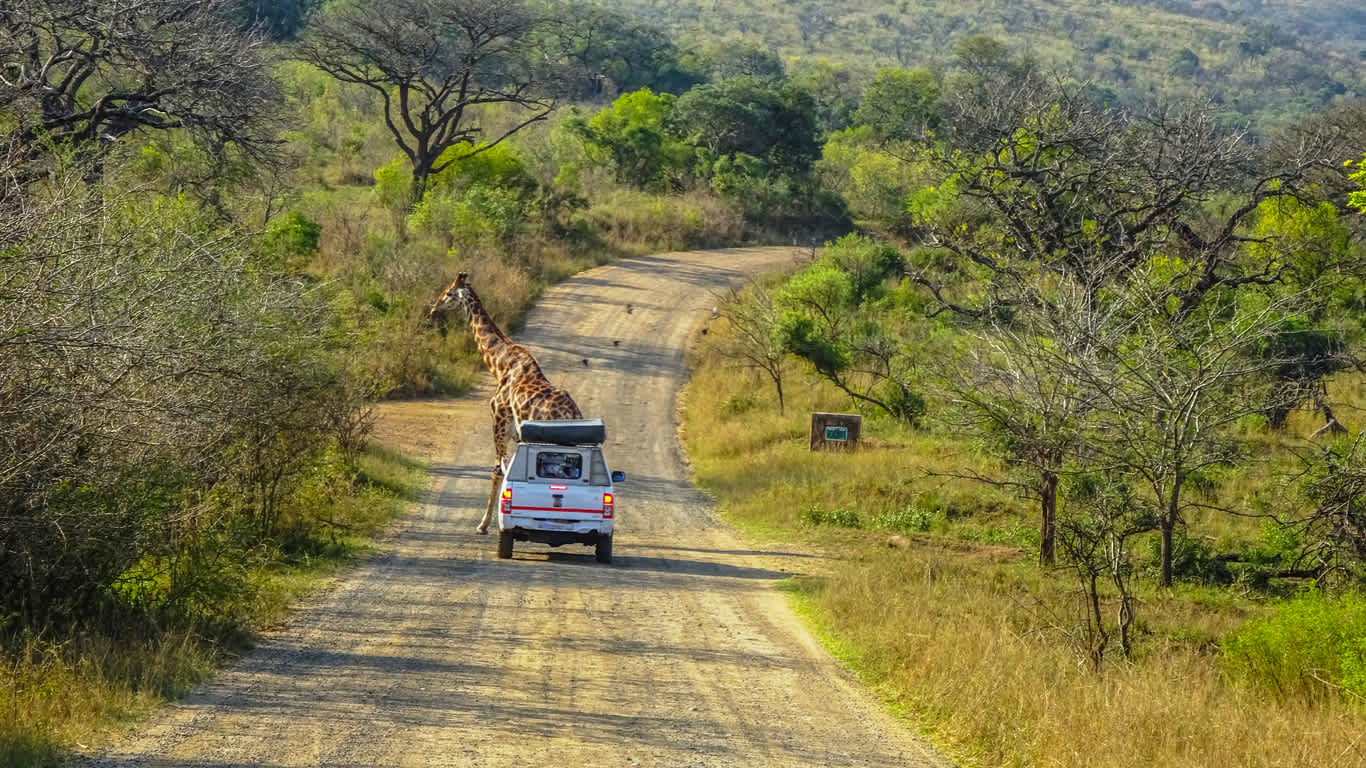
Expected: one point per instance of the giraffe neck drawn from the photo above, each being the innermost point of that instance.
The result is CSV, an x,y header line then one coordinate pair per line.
x,y
488,336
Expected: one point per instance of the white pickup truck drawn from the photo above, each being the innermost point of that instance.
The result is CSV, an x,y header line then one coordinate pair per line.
x,y
557,488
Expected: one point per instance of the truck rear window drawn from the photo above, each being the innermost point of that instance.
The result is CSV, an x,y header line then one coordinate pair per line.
x,y
559,466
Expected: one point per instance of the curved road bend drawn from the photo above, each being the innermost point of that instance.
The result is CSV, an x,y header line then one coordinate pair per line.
x,y
435,653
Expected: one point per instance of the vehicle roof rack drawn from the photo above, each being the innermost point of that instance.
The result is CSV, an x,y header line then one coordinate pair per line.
x,y
563,431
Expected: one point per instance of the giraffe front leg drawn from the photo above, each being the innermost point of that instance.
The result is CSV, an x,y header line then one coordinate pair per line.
x,y
502,422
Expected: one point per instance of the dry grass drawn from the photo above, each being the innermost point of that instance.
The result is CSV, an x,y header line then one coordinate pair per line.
x,y
970,639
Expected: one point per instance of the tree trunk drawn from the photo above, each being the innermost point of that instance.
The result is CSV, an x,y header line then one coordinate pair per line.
x,y
419,188
1168,525
1048,519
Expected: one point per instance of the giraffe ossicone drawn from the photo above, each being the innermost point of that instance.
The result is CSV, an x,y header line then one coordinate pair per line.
x,y
523,392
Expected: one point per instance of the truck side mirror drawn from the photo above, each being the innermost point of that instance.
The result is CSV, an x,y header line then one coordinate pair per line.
x,y
618,476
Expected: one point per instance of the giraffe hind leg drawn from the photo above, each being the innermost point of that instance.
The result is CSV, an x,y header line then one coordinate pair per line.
x,y
502,422
493,497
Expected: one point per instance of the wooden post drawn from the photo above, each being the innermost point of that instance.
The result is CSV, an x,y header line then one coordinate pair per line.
x,y
835,431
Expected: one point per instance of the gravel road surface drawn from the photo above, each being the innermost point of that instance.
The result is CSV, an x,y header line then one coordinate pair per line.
x,y
434,653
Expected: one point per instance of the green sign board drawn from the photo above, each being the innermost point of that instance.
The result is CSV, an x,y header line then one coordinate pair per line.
x,y
837,434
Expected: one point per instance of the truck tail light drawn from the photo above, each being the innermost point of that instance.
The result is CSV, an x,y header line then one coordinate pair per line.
x,y
608,504
506,505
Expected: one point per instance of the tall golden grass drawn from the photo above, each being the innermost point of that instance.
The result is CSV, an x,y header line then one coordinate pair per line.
x,y
972,640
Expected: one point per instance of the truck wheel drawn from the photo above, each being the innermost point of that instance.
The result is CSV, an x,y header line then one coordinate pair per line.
x,y
504,545
604,549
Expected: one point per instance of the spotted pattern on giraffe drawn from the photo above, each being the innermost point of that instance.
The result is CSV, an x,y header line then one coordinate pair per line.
x,y
523,392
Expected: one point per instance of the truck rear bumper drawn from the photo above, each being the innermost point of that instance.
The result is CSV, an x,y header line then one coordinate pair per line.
x,y
557,538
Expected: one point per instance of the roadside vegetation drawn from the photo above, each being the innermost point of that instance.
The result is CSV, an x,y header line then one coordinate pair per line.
x,y
933,596
1108,367
220,222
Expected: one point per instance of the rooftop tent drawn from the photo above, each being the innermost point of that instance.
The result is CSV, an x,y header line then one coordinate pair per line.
x,y
563,431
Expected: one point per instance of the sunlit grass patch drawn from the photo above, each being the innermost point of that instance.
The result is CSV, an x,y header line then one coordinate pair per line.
x,y
931,594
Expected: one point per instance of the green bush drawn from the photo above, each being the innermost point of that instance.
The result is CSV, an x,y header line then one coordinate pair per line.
x,y
912,518
905,404
739,403
841,517
1193,559
290,240
1314,645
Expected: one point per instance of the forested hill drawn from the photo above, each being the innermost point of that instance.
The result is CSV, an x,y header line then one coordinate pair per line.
x,y
1268,60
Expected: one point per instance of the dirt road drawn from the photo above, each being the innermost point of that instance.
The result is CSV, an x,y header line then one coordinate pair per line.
x,y
437,654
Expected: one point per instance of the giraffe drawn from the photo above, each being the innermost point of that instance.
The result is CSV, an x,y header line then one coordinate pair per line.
x,y
522,392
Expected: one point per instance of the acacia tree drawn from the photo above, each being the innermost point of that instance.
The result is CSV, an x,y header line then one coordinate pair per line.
x,y
1333,526
1012,381
436,64
83,73
825,317
753,317
1169,385
1045,188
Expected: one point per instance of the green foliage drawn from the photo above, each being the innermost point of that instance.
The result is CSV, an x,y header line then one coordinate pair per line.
x,y
739,404
900,105
1314,645
1125,48
910,519
867,263
1185,63
485,214
466,165
875,184
822,291
281,19
831,314
1358,197
1306,237
767,119
797,333
742,58
291,240
834,87
904,403
630,137
1193,559
483,197
610,49
393,185
839,517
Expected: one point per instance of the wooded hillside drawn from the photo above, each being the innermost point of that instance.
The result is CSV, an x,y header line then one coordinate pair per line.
x,y
1267,61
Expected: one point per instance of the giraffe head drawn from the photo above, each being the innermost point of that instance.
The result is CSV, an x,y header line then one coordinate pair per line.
x,y
457,294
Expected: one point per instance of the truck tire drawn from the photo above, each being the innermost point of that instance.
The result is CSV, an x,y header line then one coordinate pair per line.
x,y
604,549
504,545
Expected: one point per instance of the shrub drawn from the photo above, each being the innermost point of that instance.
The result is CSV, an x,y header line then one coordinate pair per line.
x,y
1314,645
912,518
290,240
840,517
739,403
1193,559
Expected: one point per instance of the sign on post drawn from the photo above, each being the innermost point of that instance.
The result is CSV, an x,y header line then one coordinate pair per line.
x,y
835,431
